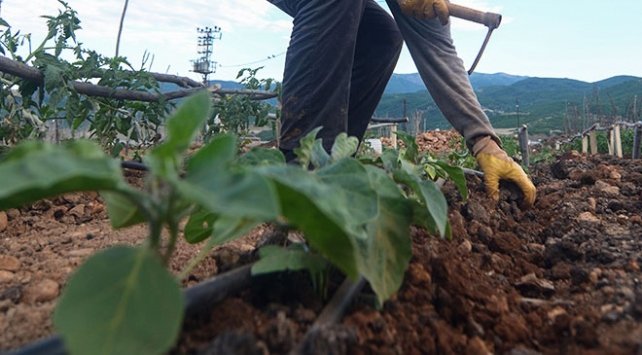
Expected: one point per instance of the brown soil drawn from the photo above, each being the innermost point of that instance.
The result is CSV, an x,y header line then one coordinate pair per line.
x,y
561,278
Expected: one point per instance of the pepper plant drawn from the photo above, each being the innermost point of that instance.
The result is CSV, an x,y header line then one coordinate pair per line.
x,y
354,215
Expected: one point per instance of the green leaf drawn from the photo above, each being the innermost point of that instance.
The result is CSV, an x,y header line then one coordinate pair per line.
x,y
319,157
314,208
262,157
211,184
183,125
456,174
121,301
344,146
353,187
306,145
34,171
384,255
429,195
200,226
122,212
411,151
276,259
54,79
436,203
4,23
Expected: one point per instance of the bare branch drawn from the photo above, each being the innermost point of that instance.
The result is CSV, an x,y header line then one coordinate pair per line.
x,y
32,74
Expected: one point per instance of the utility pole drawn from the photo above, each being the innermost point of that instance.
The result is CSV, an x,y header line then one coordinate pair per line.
x,y
204,64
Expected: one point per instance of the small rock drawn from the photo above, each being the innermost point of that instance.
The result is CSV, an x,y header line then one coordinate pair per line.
x,y
594,275
588,217
73,198
606,188
477,346
12,294
42,291
465,247
13,214
633,265
477,212
637,219
592,202
5,276
531,285
81,252
418,275
42,205
556,312
4,221
78,211
579,275
537,248
9,263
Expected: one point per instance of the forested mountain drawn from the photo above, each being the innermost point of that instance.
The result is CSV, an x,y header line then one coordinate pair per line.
x,y
542,103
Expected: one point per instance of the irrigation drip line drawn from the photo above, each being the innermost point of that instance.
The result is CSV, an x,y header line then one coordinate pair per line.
x,y
133,165
198,299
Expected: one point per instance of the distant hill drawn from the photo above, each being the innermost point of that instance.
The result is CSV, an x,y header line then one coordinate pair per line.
x,y
409,83
543,102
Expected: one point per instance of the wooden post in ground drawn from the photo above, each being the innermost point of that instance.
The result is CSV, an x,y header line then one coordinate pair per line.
x,y
523,145
593,142
636,141
393,135
611,136
585,143
617,141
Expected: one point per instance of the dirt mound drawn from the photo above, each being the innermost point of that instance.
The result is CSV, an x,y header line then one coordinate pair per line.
x,y
563,277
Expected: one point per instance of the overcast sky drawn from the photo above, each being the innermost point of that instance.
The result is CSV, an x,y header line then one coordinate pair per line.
x,y
587,40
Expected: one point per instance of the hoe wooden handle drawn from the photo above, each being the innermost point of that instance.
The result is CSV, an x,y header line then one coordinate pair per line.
x,y
489,19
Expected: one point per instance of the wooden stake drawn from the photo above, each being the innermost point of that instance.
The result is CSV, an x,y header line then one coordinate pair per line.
x,y
593,142
393,136
585,142
636,142
611,142
618,141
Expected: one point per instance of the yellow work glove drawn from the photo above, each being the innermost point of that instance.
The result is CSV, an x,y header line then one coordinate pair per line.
x,y
425,9
497,165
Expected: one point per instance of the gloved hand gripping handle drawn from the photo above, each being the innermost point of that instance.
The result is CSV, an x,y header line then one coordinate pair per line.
x,y
488,19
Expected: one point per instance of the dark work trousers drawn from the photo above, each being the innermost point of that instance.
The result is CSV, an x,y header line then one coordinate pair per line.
x,y
432,49
340,58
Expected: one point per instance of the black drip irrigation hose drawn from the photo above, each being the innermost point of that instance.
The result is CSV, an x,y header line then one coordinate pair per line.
x,y
198,299
133,165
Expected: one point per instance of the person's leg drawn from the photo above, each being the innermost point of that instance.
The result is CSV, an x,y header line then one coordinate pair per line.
x,y
443,72
318,69
378,46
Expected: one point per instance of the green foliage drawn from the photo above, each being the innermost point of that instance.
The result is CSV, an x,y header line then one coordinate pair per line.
x,y
236,113
543,103
26,109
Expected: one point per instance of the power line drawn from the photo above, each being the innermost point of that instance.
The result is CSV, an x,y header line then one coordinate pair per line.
x,y
270,57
